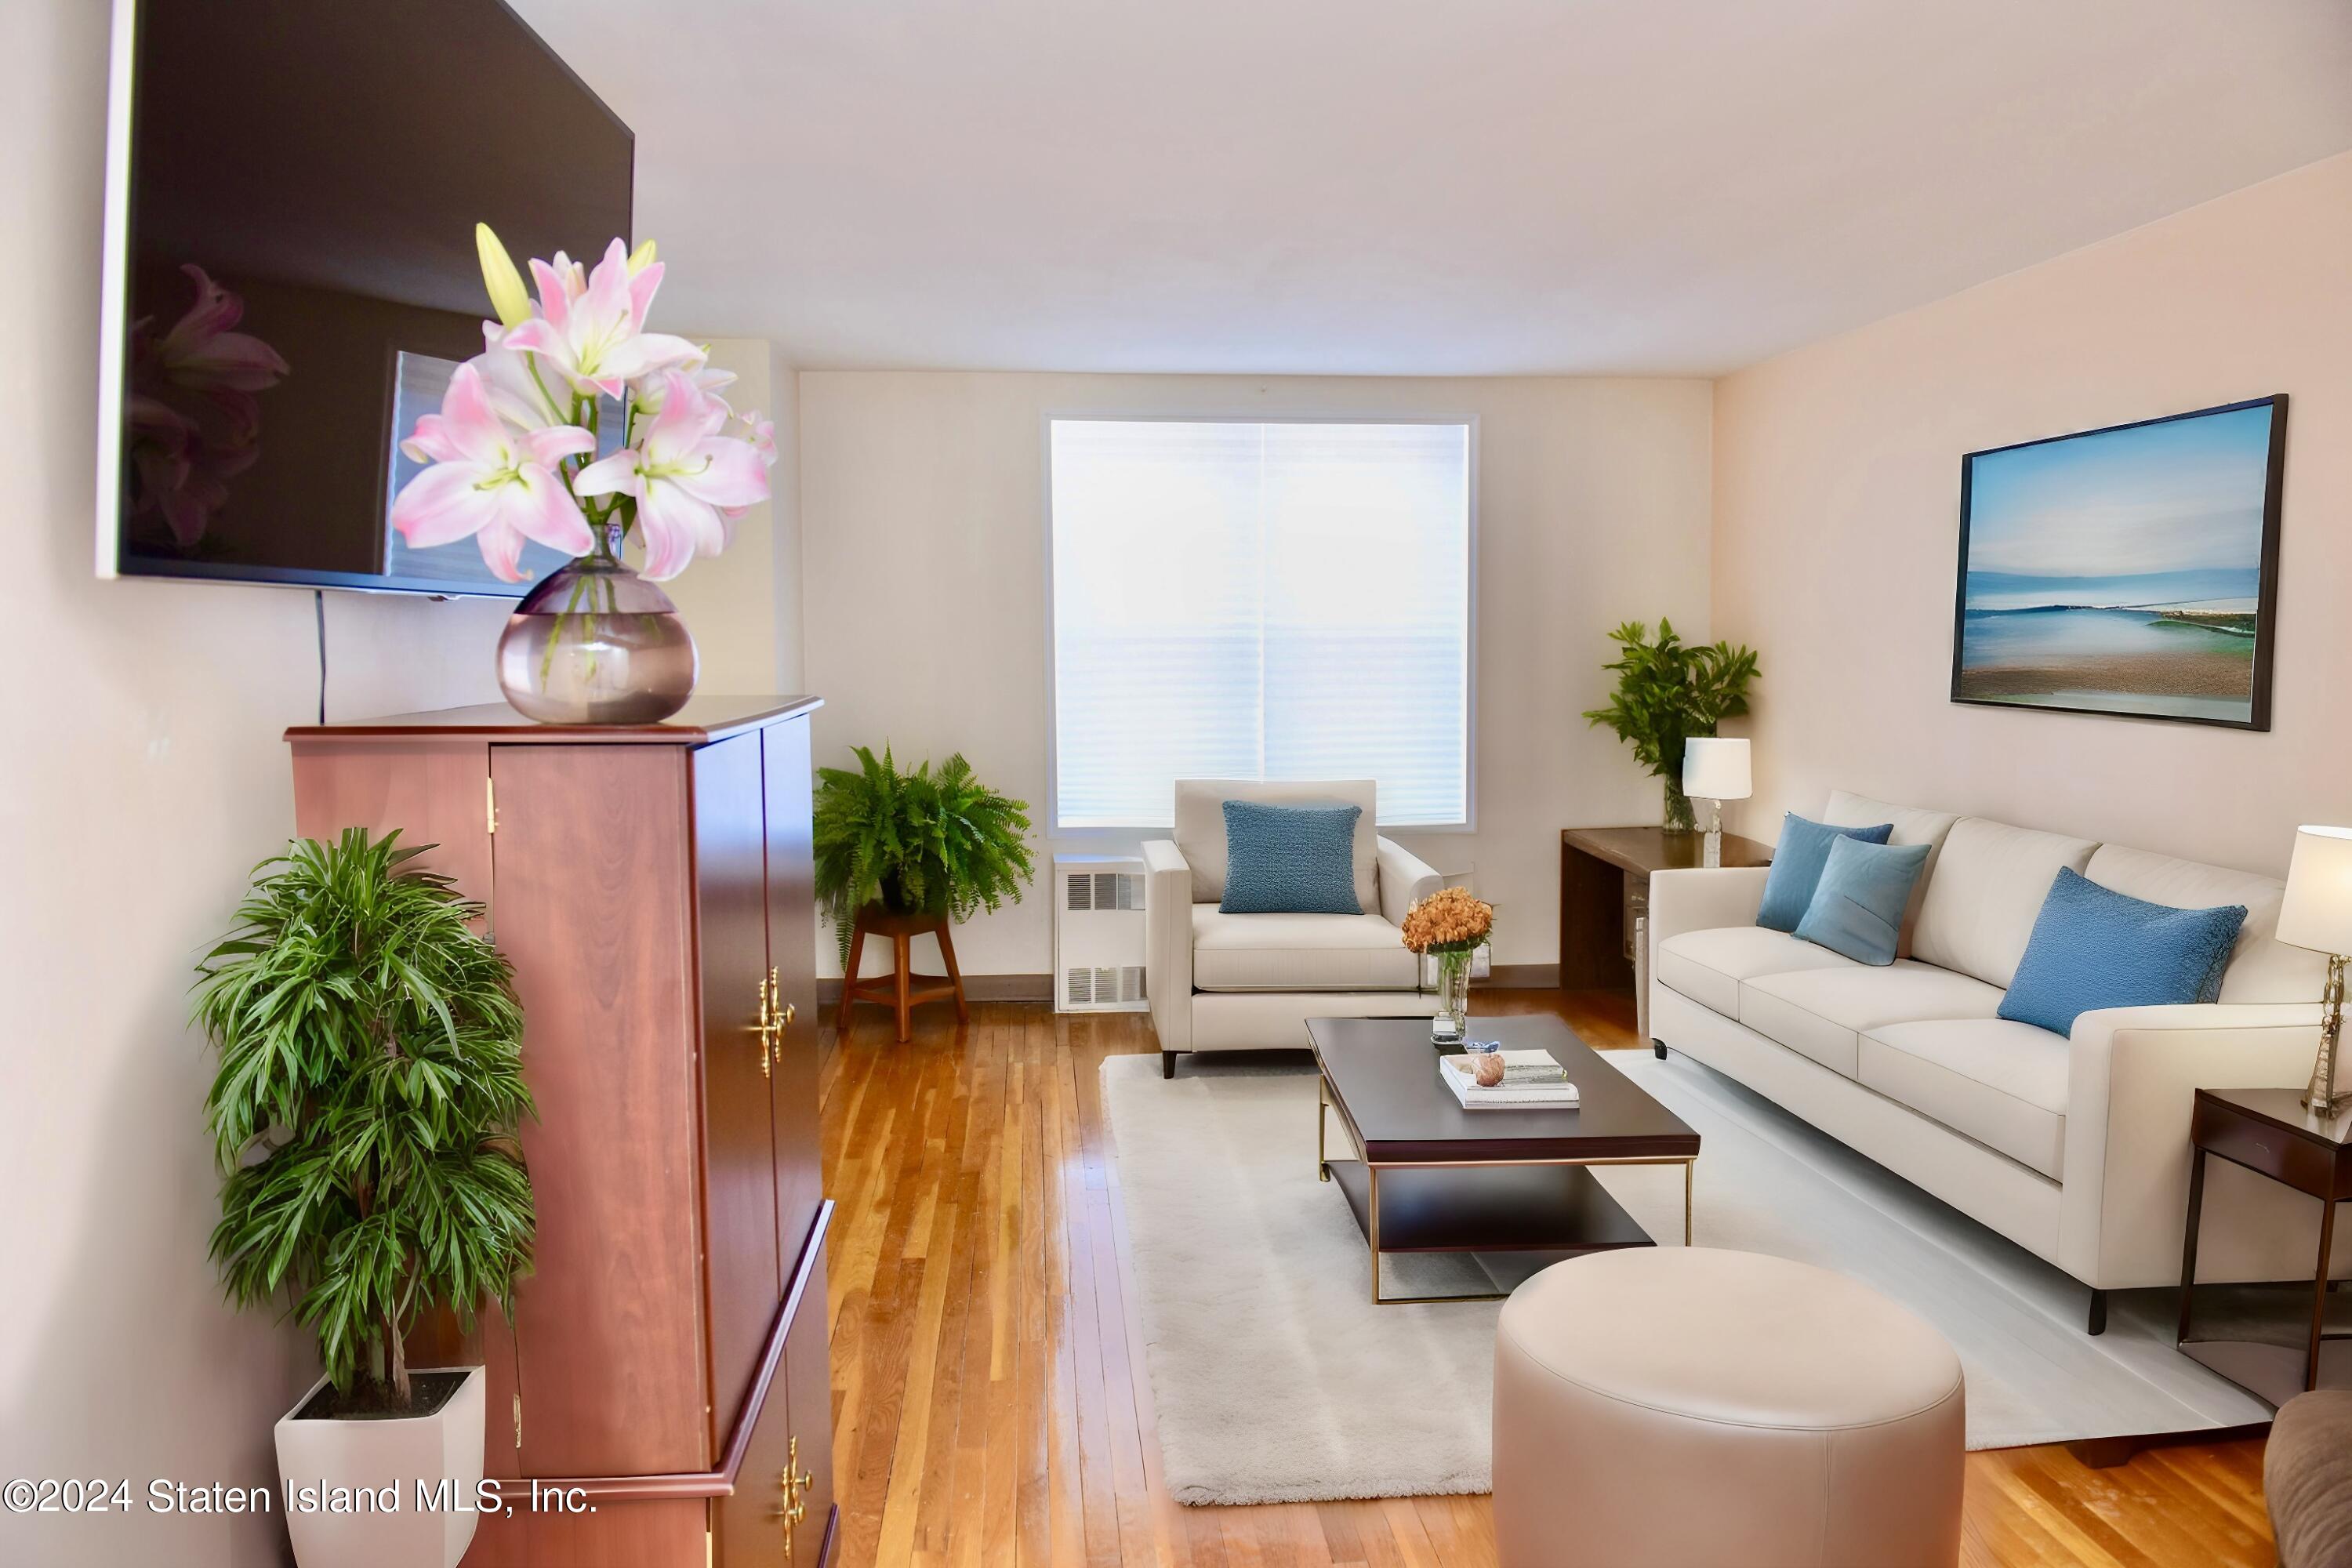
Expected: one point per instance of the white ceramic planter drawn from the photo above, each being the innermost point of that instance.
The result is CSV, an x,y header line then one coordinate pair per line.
x,y
350,1520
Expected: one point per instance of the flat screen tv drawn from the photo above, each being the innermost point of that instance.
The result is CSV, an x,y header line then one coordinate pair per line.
x,y
305,175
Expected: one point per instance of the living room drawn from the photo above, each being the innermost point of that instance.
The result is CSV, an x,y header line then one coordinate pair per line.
x,y
1577,772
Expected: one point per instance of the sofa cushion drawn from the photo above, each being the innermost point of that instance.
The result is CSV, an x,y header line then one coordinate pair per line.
x,y
1799,859
2095,948
1912,825
1708,965
1821,1013
2000,1082
1299,952
1857,910
1200,830
2261,968
1984,892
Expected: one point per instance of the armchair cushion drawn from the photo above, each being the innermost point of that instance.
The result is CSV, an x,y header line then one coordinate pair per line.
x,y
1200,832
1290,859
1299,952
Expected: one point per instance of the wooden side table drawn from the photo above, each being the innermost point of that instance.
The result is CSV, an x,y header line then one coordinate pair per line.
x,y
2268,1132
1604,902
900,989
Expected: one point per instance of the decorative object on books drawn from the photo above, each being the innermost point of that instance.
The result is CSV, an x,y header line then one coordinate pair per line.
x,y
1668,691
1450,925
1290,859
1797,864
1487,1077
578,429
2127,570
902,852
364,1117
1857,907
2093,947
2318,914
1715,770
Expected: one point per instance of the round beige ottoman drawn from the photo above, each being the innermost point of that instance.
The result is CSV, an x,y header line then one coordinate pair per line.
x,y
1678,1407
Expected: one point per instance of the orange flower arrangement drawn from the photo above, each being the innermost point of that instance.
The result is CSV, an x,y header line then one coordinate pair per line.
x,y
1451,920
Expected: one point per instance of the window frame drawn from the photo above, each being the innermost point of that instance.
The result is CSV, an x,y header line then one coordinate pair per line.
x,y
1056,830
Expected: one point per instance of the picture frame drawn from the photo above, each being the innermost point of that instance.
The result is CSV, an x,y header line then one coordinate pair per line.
x,y
2128,570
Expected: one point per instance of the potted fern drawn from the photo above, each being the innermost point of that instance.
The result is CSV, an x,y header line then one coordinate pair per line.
x,y
1667,692
364,1117
931,843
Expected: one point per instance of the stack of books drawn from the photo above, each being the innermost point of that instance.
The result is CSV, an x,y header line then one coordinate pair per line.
x,y
1531,1080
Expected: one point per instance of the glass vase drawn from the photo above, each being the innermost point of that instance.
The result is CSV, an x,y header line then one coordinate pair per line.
x,y
1680,818
596,643
1450,1025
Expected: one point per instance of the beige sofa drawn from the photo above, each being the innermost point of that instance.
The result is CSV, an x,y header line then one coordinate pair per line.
x,y
2073,1147
1221,981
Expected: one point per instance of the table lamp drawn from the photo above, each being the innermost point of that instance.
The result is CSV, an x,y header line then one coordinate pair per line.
x,y
2318,914
1715,770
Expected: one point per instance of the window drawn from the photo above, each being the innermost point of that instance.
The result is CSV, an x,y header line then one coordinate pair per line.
x,y
1259,601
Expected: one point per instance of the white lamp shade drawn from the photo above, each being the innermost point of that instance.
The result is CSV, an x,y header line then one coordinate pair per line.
x,y
2317,912
1716,769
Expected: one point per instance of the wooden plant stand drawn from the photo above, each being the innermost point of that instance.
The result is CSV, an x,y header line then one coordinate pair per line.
x,y
903,988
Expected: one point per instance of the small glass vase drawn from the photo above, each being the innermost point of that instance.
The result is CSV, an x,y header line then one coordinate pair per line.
x,y
1680,818
596,643
1450,1025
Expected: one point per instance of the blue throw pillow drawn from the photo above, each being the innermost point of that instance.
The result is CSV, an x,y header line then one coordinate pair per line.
x,y
1290,859
1797,862
2093,947
1857,908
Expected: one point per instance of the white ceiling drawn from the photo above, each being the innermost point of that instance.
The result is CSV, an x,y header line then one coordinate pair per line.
x,y
1414,186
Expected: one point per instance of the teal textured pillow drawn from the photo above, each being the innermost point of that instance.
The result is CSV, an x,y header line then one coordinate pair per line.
x,y
1857,908
2093,947
1290,859
1797,862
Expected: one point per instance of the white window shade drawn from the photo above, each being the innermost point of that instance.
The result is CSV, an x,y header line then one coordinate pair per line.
x,y
1259,601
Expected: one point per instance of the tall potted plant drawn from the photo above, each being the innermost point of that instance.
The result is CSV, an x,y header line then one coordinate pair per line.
x,y
364,1118
1668,691
926,842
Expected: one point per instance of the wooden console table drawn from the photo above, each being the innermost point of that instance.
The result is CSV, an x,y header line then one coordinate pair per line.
x,y
1604,902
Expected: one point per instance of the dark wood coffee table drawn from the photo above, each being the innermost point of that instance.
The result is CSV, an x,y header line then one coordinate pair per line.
x,y
1430,1176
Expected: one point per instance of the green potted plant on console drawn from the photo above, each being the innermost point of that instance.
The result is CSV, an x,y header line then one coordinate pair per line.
x,y
365,1116
1669,691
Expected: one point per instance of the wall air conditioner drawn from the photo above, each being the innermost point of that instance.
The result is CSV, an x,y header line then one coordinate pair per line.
x,y
1098,933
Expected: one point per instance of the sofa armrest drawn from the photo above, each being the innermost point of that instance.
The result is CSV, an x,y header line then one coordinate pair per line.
x,y
1405,880
1168,942
2131,1082
1702,898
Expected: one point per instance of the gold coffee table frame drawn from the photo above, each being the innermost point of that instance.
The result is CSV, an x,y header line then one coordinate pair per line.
x,y
1324,1106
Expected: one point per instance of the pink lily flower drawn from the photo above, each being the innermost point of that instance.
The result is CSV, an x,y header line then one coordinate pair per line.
x,y
593,333
488,481
645,395
201,352
686,477
524,396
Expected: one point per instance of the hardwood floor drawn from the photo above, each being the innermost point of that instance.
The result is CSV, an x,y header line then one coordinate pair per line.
x,y
989,1400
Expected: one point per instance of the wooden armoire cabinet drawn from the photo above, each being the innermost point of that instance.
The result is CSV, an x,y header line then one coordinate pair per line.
x,y
668,1363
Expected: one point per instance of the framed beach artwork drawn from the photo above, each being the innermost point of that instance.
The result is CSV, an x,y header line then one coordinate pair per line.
x,y
2132,570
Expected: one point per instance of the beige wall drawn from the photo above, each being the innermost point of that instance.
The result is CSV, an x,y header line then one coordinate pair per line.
x,y
923,518
144,777
1837,515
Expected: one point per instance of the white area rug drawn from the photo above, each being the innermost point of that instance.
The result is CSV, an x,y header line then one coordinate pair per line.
x,y
1277,1379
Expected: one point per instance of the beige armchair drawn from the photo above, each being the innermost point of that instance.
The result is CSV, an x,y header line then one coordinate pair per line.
x,y
1220,982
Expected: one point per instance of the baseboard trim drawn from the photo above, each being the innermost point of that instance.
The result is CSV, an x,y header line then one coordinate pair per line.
x,y
976,988
1522,977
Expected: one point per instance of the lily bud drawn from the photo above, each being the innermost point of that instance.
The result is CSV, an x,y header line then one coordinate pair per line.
x,y
498,275
641,258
